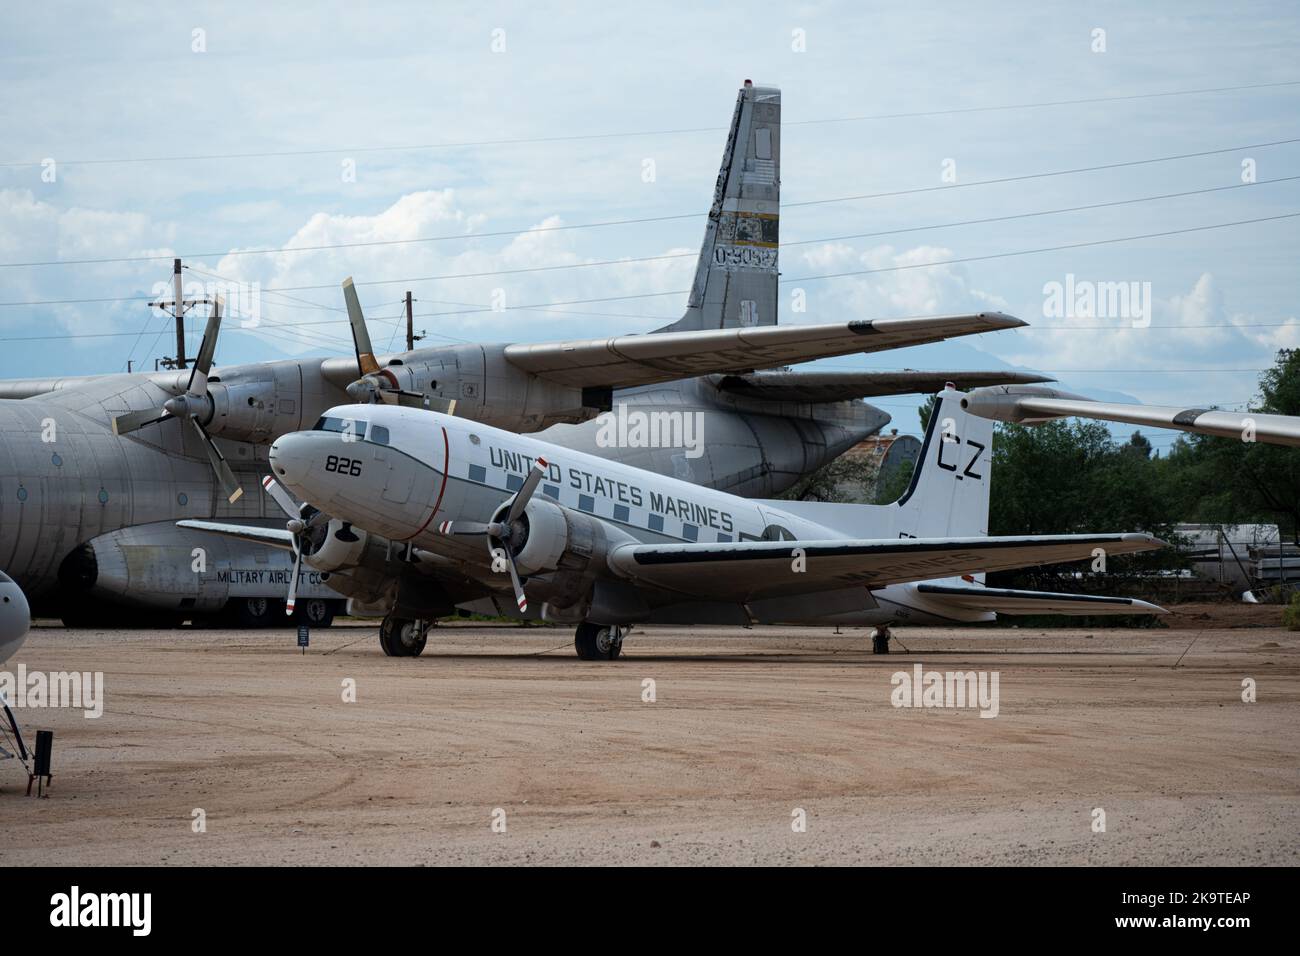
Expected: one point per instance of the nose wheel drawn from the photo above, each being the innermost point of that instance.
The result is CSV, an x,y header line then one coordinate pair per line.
x,y
403,636
880,640
597,642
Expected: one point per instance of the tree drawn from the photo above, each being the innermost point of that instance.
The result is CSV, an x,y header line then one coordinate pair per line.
x,y
1072,478
1234,481
926,409
842,480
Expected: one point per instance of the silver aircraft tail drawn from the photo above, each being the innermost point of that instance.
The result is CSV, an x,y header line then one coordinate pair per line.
x,y
736,277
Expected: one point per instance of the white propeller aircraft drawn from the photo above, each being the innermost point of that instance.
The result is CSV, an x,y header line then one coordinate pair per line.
x,y
512,525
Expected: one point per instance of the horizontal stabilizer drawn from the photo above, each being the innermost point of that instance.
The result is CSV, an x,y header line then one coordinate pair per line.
x,y
824,386
1013,601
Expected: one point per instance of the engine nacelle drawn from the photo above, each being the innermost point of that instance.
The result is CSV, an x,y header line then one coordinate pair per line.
x,y
568,548
1001,403
257,403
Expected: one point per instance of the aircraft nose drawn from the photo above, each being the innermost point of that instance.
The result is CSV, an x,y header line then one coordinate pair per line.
x,y
290,458
15,619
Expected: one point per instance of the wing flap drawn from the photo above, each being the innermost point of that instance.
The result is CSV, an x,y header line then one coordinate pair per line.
x,y
752,570
629,360
1014,601
819,386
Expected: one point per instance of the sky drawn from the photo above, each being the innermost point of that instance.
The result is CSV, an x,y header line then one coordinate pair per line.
x,y
218,131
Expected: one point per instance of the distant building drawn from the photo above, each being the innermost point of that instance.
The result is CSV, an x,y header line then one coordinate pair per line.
x,y
875,459
1239,556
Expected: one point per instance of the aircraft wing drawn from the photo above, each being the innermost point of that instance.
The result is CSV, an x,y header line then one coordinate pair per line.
x,y
629,360
275,537
1034,404
1014,601
826,386
750,570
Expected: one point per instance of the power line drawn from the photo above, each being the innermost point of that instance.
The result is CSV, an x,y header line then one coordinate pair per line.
x,y
644,295
1027,252
520,141
649,219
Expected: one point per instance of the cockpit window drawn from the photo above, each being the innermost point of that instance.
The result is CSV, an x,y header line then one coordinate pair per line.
x,y
379,434
353,426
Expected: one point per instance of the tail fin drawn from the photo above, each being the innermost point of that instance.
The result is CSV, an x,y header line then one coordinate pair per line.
x,y
949,493
736,277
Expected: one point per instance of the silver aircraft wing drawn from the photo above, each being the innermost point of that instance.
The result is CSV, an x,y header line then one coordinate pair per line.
x,y
275,537
751,570
1032,404
630,360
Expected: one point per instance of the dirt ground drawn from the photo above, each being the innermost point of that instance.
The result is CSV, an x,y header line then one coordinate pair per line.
x,y
750,731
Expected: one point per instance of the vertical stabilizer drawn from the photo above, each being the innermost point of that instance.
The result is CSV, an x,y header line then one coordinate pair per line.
x,y
736,277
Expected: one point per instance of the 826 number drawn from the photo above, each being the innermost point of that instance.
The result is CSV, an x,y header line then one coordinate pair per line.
x,y
343,466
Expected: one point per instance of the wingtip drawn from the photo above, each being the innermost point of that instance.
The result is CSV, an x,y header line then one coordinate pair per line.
x,y
1001,320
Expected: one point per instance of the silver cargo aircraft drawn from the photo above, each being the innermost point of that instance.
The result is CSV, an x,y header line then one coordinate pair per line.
x,y
94,472
488,520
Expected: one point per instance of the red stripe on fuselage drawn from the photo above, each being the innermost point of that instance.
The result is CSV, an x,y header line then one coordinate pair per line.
x,y
446,464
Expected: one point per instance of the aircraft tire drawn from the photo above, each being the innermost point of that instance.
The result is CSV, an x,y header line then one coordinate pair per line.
x,y
314,612
594,642
246,612
391,634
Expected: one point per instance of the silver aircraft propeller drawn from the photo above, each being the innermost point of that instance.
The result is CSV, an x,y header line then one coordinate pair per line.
x,y
191,405
299,518
505,537
374,384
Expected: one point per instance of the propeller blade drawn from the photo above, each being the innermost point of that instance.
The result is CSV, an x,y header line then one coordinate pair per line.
x,y
224,475
198,386
464,527
280,496
520,598
526,490
293,581
366,364
124,424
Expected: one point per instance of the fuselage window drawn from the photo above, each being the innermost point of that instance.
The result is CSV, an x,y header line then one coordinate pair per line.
x,y
352,425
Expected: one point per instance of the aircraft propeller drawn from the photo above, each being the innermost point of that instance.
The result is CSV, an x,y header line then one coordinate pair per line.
x,y
191,405
374,383
299,518
505,537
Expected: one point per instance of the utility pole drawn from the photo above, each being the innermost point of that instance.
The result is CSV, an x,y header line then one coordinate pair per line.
x,y
411,337
177,308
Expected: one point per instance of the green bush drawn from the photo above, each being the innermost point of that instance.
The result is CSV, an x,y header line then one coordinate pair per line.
x,y
1291,616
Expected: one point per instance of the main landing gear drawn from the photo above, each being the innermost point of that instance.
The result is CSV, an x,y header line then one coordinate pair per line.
x,y
403,636
880,639
597,642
